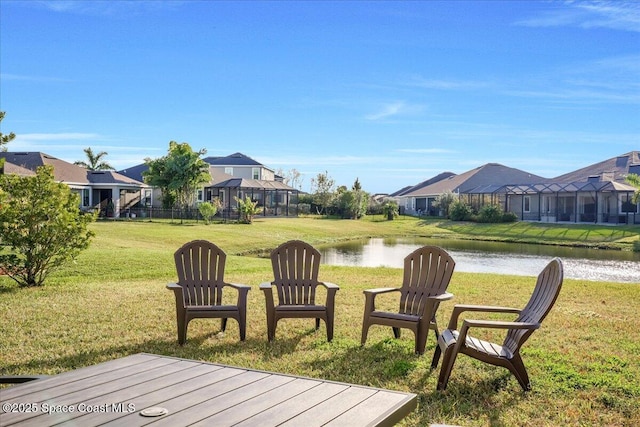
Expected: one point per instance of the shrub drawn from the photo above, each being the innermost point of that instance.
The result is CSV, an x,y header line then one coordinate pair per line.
x,y
304,208
390,209
445,202
509,217
41,226
459,211
490,213
209,209
248,208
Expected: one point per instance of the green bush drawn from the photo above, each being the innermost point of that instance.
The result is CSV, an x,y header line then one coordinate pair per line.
x,y
490,213
41,226
209,209
509,217
459,211
390,209
248,209
304,208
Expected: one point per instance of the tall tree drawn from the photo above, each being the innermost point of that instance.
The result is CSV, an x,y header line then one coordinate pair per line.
x,y
322,189
178,174
5,139
94,162
292,177
352,203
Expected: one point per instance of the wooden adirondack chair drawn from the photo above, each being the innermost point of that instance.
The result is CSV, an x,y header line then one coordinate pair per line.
x,y
454,341
200,266
295,269
427,273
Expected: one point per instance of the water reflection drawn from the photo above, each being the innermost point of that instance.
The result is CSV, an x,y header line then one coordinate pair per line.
x,y
492,257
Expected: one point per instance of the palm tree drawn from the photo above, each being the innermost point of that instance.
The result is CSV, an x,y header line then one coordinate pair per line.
x,y
94,161
634,180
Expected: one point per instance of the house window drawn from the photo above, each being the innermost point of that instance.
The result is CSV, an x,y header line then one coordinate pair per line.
x,y
146,198
85,197
255,173
228,170
527,203
200,197
629,207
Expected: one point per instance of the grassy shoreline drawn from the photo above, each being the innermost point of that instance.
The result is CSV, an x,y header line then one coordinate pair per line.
x,y
112,302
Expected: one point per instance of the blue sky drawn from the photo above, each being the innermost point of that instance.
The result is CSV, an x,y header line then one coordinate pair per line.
x,y
391,93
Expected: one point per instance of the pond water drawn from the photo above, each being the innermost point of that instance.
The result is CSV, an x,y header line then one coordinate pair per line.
x,y
492,257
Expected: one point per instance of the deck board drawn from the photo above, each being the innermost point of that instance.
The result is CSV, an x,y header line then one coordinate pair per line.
x,y
201,394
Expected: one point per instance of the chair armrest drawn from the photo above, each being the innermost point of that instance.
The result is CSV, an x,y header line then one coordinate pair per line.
x,y
370,297
265,285
329,285
238,286
493,324
377,291
461,308
498,324
174,287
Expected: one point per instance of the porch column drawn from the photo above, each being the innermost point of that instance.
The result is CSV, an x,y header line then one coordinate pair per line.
x,y
116,198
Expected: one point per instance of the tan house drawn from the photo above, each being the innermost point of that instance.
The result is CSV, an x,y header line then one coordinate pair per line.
x,y
236,175
475,185
109,192
594,194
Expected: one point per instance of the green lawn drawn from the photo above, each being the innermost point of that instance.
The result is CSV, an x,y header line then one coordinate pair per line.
x,y
112,302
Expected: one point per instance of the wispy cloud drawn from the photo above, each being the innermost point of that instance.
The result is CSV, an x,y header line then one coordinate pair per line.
x,y
104,7
18,77
618,15
320,161
446,84
425,150
394,109
608,80
73,136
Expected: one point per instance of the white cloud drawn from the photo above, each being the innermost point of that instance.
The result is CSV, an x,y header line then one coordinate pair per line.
x,y
387,111
74,136
18,77
105,7
425,150
440,84
394,109
619,15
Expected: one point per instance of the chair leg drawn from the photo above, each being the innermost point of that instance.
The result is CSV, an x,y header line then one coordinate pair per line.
x,y
421,340
437,352
329,324
518,369
182,329
396,332
436,357
271,328
317,323
448,360
365,332
242,324
223,324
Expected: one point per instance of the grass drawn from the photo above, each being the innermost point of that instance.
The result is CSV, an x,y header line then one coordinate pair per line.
x,y
112,302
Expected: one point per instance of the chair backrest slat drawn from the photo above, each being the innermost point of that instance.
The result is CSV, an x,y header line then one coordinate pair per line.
x,y
427,272
295,271
542,299
200,267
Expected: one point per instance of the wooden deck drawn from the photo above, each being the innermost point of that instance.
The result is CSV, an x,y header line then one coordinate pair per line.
x,y
196,393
